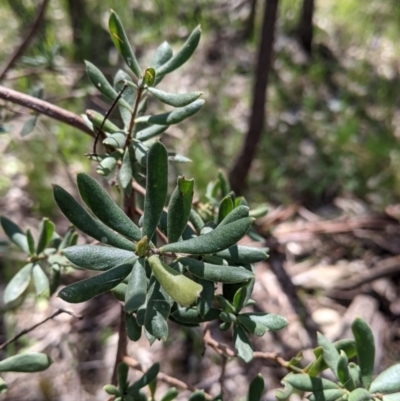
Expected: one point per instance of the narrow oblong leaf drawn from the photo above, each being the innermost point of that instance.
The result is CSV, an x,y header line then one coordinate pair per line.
x,y
328,395
119,292
174,116
150,132
242,295
97,120
179,208
18,284
133,330
162,54
3,386
105,208
14,233
46,233
31,242
343,372
238,213
360,394
98,80
217,273
259,323
29,362
256,388
184,53
145,380
93,286
80,218
122,44
225,207
136,291
175,99
156,188
241,254
365,347
191,315
197,396
391,397
42,284
170,395
387,381
180,288
304,382
330,353
242,344
116,140
125,174
96,257
196,220
29,125
206,298
215,241
283,395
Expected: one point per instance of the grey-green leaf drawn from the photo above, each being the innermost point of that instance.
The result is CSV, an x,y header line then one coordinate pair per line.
x,y
304,382
327,395
359,394
116,140
105,208
238,213
29,125
18,284
391,397
241,254
242,344
31,241
133,330
174,116
97,120
122,44
45,235
175,99
96,257
179,208
330,353
217,240
80,218
136,291
388,381
217,273
225,207
91,287
42,284
259,323
162,54
343,372
28,362
191,315
14,233
125,174
150,132
156,187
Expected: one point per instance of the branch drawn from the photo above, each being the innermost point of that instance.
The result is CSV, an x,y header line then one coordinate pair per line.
x,y
46,108
27,39
132,363
25,331
121,347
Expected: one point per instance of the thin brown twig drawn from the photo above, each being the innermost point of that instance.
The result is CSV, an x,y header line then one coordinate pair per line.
x,y
172,381
46,108
25,331
27,39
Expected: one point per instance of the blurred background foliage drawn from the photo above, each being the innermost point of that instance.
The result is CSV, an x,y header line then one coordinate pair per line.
x,y
333,115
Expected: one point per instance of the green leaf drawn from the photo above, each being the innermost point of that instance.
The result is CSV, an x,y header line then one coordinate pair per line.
x,y
122,372
157,310
242,295
149,77
387,381
14,233
180,288
156,188
343,372
205,300
31,242
98,80
283,395
170,395
125,173
3,386
196,220
133,330
225,304
29,125
256,388
150,132
359,394
355,374
304,382
45,235
217,273
41,281
108,164
18,284
141,152
116,140
174,116
162,54
184,53
122,44
225,207
223,184
80,218
242,344
112,390
197,396
191,315
238,213
29,362
227,317
175,99
55,278
217,240
259,323
330,353
240,254
365,349
93,286
96,257
327,395
119,292
391,397
105,208
135,295
97,120
145,380
179,208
